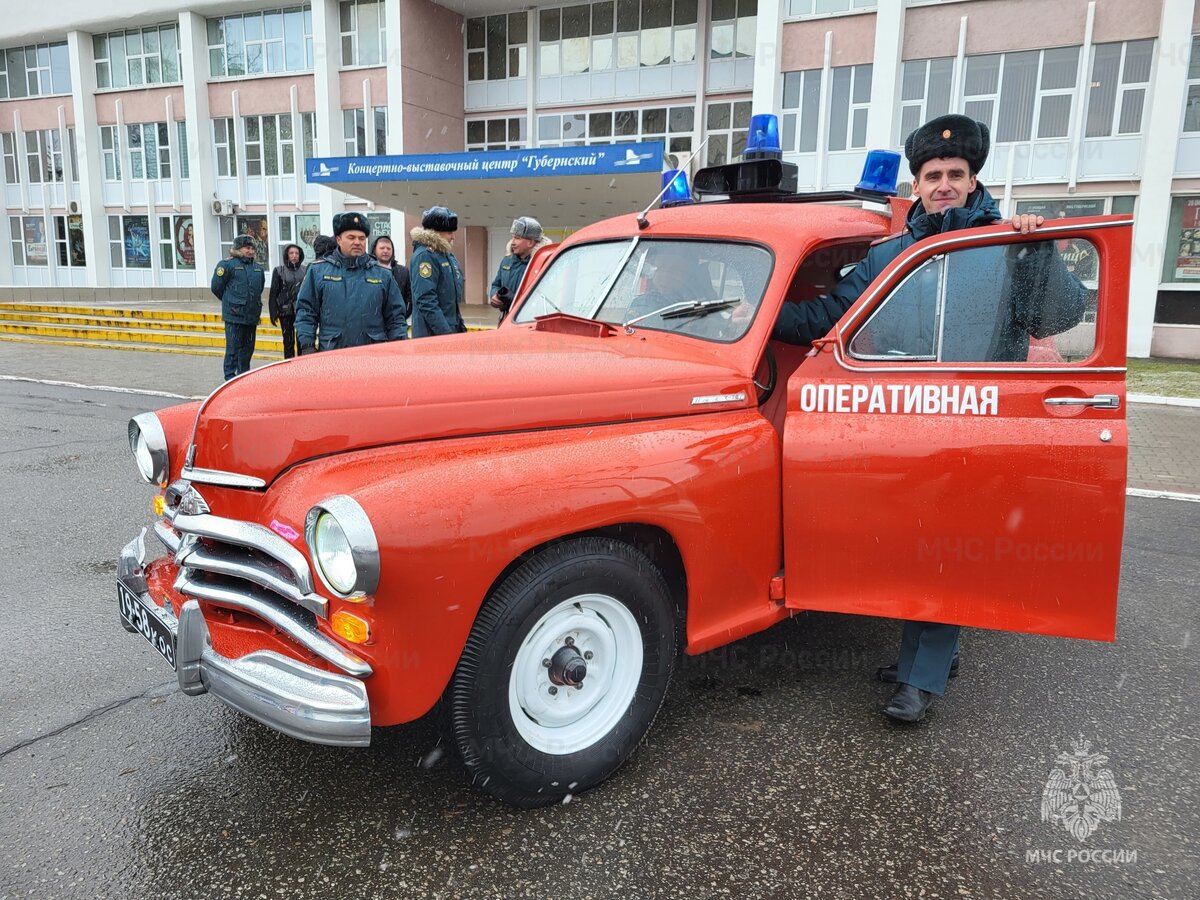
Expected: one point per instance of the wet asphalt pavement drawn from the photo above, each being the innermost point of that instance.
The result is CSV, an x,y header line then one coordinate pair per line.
x,y
769,773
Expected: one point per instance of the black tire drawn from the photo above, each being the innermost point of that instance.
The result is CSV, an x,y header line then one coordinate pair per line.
x,y
600,577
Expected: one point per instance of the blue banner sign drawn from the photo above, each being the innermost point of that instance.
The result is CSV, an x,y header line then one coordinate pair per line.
x,y
599,159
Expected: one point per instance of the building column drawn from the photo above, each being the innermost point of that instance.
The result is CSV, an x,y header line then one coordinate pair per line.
x,y
886,72
87,146
327,56
202,176
395,79
768,93
1160,143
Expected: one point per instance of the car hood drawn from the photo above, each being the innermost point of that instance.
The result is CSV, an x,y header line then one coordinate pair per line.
x,y
510,379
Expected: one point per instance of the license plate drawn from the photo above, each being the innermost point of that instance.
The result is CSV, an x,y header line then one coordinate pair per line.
x,y
148,620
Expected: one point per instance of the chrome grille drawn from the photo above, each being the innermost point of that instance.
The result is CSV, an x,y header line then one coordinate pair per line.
x,y
245,554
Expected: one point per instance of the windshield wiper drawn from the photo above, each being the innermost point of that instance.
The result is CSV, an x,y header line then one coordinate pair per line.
x,y
687,309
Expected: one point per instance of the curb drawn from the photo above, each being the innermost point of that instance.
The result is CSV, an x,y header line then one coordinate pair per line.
x,y
1161,495
1159,400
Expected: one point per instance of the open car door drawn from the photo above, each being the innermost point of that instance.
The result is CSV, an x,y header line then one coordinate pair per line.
x,y
956,449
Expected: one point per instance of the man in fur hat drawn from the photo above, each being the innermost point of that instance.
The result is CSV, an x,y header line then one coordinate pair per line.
x,y
347,299
436,277
945,156
527,236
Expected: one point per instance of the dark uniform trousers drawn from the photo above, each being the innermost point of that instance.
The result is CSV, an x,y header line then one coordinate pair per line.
x,y
287,324
239,347
926,651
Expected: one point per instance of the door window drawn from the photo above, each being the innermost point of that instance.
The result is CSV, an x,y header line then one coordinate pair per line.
x,y
1025,302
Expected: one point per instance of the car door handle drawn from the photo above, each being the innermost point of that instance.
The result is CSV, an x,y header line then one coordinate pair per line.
x,y
1100,401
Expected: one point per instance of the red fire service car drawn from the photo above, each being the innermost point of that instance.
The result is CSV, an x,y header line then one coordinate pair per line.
x,y
523,527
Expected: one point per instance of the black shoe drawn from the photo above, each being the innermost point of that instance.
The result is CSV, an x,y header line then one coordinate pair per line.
x,y
888,673
908,704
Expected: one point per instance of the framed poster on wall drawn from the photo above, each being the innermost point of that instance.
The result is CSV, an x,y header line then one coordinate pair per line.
x,y
136,238
259,231
35,240
185,242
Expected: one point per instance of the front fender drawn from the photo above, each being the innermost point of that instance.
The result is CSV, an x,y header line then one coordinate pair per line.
x,y
451,515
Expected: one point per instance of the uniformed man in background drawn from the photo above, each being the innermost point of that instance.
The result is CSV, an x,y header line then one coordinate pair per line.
x,y
347,298
527,236
437,279
238,283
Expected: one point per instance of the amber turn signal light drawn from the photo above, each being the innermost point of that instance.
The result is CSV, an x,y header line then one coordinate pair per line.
x,y
160,503
350,627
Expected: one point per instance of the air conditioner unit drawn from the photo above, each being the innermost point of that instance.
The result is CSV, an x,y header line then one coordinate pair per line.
x,y
222,207
73,207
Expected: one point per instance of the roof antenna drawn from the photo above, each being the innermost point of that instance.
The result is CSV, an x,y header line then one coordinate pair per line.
x,y
642,221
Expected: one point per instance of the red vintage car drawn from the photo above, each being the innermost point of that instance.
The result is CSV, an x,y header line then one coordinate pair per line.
x,y
523,527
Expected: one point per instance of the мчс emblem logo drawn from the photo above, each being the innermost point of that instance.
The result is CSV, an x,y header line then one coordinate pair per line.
x,y
424,270
1080,794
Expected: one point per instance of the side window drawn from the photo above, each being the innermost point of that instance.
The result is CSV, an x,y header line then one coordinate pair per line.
x,y
1027,302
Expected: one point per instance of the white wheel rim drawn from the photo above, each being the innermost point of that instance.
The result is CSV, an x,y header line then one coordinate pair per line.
x,y
569,719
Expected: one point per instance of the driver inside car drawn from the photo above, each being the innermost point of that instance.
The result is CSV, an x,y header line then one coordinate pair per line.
x,y
675,279
678,277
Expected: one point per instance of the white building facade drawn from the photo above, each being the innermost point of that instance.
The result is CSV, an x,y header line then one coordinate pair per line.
x,y
138,139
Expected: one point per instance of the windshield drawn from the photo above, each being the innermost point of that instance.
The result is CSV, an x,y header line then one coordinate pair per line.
x,y
705,289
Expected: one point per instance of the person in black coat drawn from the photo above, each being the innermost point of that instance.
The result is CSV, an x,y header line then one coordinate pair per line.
x,y
384,252
285,285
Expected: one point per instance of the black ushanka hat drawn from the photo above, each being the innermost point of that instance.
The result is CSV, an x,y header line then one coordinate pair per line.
x,y
351,221
946,137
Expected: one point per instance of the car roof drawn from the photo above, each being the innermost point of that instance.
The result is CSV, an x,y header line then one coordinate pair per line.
x,y
785,227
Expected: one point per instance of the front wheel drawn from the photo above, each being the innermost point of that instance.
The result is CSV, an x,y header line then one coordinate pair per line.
x,y
563,672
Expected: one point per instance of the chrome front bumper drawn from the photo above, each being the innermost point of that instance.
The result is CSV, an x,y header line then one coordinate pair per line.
x,y
290,696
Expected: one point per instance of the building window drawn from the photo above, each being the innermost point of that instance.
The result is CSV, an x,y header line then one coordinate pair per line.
x,y
727,127
733,29
308,129
364,32
223,143
804,9
137,56
261,43
355,132
44,157
110,152
849,100
129,242
616,34
184,167
149,149
496,134
35,71
497,47
801,111
1022,96
671,125
8,144
302,229
1120,79
227,230
68,241
925,86
1191,113
270,149
28,237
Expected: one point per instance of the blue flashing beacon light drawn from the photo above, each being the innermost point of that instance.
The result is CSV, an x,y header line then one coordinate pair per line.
x,y
762,138
676,189
880,172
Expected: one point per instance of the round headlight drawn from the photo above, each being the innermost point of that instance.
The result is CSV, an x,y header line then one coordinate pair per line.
x,y
333,553
141,456
148,443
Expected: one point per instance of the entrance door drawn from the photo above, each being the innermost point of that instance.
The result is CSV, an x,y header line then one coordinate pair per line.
x,y
956,451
